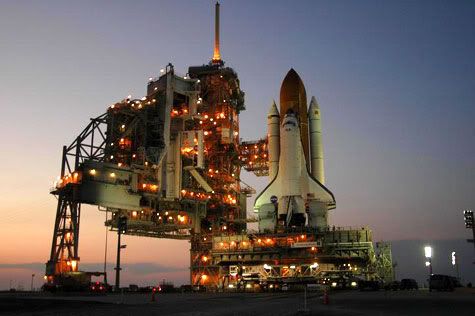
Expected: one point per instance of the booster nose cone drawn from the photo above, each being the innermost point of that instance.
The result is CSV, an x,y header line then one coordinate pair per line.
x,y
273,111
293,97
313,104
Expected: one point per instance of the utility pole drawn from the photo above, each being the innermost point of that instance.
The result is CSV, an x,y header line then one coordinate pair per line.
x,y
32,278
121,228
455,263
105,256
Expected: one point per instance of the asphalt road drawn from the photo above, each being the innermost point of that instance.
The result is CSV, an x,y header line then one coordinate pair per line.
x,y
461,302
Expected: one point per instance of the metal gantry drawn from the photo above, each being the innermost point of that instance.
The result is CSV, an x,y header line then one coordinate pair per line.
x,y
88,146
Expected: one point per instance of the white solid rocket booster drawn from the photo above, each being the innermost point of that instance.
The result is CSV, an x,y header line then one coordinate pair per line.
x,y
273,130
316,146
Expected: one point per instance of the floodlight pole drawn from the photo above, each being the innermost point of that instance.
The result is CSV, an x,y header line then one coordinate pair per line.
x,y
117,267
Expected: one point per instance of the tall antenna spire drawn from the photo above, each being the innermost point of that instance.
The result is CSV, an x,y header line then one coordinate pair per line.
x,y
216,55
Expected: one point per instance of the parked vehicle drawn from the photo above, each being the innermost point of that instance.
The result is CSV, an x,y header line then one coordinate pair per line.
x,y
395,285
98,287
441,282
369,285
409,284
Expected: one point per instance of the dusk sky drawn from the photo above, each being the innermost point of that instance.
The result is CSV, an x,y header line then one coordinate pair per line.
x,y
395,81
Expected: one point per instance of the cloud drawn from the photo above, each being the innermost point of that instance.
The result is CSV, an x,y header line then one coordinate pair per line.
x,y
141,268
37,266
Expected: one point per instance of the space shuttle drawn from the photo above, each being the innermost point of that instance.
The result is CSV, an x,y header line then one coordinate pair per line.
x,y
296,195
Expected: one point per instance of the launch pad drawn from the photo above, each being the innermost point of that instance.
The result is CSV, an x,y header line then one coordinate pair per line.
x,y
168,165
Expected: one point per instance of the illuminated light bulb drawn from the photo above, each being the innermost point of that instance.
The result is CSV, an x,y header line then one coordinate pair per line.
x,y
201,122
112,156
156,88
211,119
198,81
236,133
162,70
183,191
259,240
153,100
166,213
206,133
206,116
112,106
144,98
150,78
214,123
129,96
119,164
134,213
144,185
123,126
204,258
112,175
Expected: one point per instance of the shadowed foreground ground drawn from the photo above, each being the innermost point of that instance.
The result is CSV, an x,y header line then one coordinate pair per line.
x,y
461,302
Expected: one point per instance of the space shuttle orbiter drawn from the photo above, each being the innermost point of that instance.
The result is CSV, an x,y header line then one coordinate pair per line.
x,y
296,195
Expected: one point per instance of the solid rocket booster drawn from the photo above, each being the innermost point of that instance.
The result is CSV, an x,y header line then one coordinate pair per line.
x,y
316,146
273,134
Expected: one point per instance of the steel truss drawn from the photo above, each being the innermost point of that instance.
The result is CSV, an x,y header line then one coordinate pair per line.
x,y
88,145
